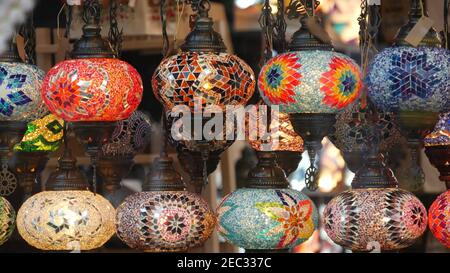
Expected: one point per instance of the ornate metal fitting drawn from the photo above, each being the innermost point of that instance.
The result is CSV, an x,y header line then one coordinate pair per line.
x,y
374,174
267,174
203,38
163,176
91,44
431,39
303,39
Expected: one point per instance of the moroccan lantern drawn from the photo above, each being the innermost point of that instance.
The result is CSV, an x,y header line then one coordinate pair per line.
x,y
375,214
164,217
266,216
439,218
20,101
413,82
201,78
66,215
311,83
94,88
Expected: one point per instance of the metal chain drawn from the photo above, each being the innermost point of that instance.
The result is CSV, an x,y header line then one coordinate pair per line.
x,y
115,35
163,15
267,23
68,11
280,27
91,11
28,32
446,39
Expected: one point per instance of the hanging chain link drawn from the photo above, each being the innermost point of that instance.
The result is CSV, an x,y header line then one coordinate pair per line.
x,y
115,35
68,12
267,23
163,15
280,27
91,11
28,32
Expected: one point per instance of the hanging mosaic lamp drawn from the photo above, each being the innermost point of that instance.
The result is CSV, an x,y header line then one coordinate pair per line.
x,y
202,74
7,220
267,215
352,129
20,101
164,217
439,218
283,140
437,148
42,136
130,137
413,82
66,216
375,214
311,83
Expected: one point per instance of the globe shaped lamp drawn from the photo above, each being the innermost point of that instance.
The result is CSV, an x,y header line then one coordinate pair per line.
x,y
66,216
203,74
7,220
437,147
20,100
439,218
311,83
375,214
412,82
202,78
267,216
164,217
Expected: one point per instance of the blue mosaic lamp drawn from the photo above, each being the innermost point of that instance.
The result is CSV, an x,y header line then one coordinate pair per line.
x,y
267,216
414,83
310,82
20,102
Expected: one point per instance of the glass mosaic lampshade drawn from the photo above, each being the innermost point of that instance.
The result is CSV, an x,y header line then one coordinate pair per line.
x,y
20,97
314,81
7,220
164,217
92,89
257,219
410,79
42,135
375,214
66,216
439,218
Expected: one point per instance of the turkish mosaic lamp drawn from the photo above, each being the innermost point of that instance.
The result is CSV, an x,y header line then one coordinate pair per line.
x,y
267,215
375,215
164,217
310,82
414,83
7,220
203,73
282,139
66,216
94,85
439,218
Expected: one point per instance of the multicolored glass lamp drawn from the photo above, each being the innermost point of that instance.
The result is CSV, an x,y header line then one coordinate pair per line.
x,y
42,137
66,216
375,214
93,89
7,220
437,148
284,141
203,74
130,137
164,217
266,216
412,82
311,83
20,100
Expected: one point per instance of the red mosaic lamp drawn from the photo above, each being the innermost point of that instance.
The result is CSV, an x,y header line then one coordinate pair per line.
x,y
94,89
204,74
311,83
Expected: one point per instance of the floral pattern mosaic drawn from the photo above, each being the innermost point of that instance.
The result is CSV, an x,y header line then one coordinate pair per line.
x,y
439,218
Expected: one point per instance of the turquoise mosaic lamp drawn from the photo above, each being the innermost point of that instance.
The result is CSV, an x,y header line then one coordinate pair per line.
x,y
267,216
